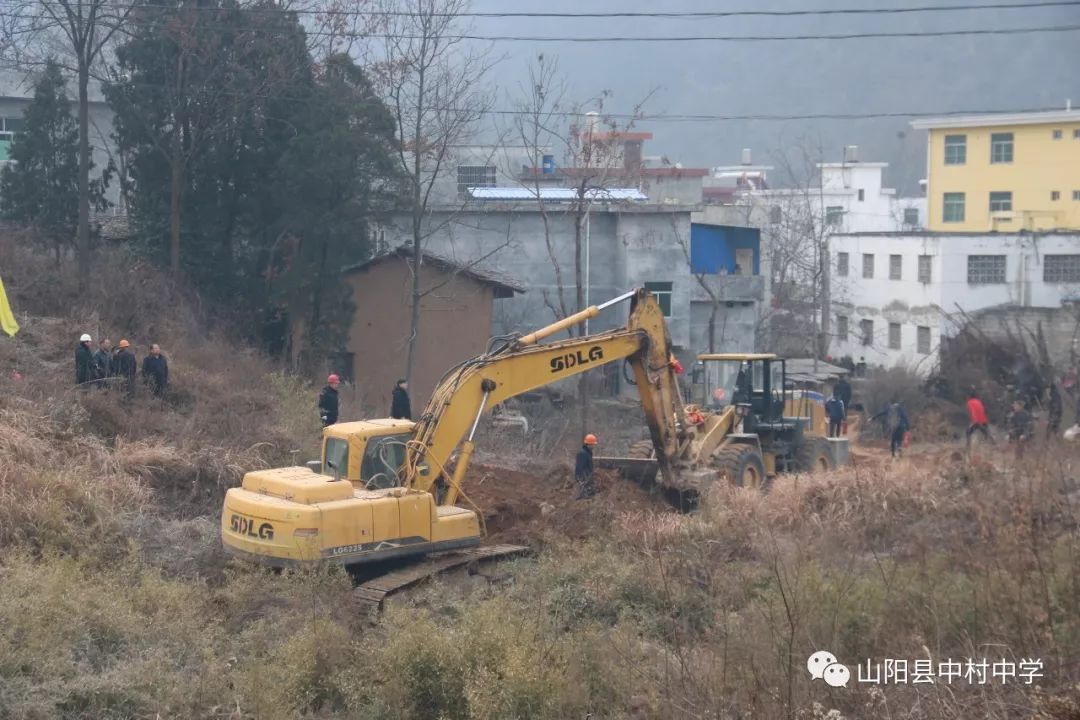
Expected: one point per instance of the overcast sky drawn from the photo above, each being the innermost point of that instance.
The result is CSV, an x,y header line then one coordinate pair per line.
x,y
923,75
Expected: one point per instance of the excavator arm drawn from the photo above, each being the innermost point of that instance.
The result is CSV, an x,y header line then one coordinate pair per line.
x,y
474,387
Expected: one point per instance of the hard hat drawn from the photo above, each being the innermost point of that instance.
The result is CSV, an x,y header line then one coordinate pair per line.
x,y
124,344
333,379
85,338
590,439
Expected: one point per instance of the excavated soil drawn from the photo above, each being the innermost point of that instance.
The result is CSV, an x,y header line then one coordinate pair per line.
x,y
531,509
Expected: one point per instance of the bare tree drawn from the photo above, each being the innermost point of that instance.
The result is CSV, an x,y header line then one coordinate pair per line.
x,y
593,151
797,231
77,32
433,84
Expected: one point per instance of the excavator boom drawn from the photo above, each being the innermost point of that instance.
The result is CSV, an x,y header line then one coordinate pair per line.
x,y
476,386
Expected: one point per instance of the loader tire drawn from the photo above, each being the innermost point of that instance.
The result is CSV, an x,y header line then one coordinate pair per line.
x,y
814,456
642,450
742,466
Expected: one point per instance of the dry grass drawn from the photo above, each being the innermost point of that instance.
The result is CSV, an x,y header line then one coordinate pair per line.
x,y
116,602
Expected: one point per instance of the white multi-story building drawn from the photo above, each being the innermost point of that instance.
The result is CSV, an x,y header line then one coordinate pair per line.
x,y
895,296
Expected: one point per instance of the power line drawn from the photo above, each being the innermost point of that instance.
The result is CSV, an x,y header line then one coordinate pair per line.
x,y
644,15
652,39
748,38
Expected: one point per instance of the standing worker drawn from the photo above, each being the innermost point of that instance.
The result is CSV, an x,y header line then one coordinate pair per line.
x,y
1054,410
400,407
835,409
1020,427
155,371
583,469
124,367
977,420
84,360
843,391
328,401
896,423
103,362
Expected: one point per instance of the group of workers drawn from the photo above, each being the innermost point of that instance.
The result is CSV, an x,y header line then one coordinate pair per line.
x,y
400,406
108,365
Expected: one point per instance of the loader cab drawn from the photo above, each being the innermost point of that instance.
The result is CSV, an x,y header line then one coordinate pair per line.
x,y
368,453
755,382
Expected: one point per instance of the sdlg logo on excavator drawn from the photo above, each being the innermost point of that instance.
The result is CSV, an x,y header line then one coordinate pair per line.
x,y
246,526
569,360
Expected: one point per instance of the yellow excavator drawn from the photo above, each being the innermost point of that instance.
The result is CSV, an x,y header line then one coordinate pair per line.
x,y
389,488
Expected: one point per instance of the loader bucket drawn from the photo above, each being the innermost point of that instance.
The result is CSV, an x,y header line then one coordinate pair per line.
x,y
640,470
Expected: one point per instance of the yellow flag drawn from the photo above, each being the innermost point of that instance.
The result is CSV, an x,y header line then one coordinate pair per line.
x,y
7,318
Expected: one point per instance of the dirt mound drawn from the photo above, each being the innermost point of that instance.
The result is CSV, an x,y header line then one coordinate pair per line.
x,y
533,509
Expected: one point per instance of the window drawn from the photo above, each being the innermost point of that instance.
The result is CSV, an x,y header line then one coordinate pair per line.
x,y
841,327
1001,147
842,264
896,265
383,458
1076,134
775,214
911,216
953,207
8,128
1057,134
1055,195
1061,268
866,329
470,176
985,269
924,268
662,291
834,215
335,457
1001,202
894,336
922,339
1076,194
862,194
955,149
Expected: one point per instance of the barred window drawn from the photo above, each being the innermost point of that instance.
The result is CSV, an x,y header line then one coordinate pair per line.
x,y
868,266
922,340
1061,268
924,268
472,176
842,327
842,264
894,336
985,269
896,265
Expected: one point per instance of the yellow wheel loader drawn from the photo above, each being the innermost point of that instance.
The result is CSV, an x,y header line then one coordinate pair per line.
x,y
390,488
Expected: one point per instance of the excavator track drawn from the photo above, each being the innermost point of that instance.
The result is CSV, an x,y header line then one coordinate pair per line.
x,y
371,593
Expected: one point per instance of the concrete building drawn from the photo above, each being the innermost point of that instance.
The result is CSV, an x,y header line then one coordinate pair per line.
x,y
16,92
1003,172
896,295
455,323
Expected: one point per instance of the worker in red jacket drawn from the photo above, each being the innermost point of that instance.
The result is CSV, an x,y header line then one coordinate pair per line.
x,y
977,420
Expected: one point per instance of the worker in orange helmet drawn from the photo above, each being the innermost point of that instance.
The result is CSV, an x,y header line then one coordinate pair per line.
x,y
583,469
328,401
